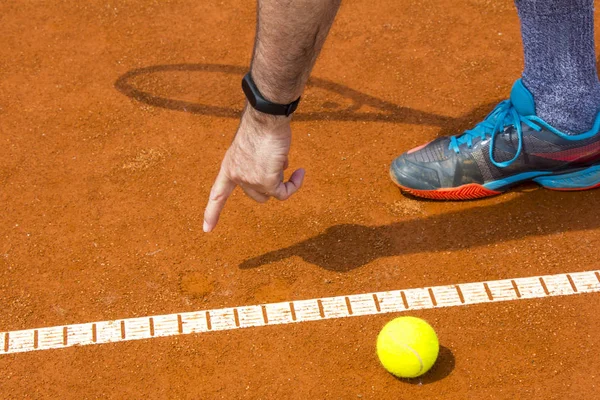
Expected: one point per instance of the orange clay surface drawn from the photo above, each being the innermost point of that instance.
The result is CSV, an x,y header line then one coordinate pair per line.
x,y
114,116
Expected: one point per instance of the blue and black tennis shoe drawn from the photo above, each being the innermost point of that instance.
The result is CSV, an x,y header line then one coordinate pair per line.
x,y
512,145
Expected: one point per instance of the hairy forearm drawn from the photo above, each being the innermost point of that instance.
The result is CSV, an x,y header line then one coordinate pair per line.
x,y
289,37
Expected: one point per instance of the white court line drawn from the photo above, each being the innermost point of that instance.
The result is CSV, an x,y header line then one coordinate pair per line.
x,y
57,337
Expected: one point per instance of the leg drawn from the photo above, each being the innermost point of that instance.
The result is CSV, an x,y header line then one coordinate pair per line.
x,y
547,132
560,61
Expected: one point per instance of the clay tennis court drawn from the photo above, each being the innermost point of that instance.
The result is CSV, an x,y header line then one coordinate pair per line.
x,y
114,117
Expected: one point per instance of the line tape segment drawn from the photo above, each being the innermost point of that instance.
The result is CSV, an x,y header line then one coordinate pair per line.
x,y
57,337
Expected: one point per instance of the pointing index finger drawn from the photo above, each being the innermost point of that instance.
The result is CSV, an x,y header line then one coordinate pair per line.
x,y
220,192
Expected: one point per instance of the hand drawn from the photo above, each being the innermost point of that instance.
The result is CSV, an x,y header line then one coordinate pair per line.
x,y
255,161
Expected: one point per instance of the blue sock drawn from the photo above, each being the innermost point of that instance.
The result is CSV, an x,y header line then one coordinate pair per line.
x,y
560,61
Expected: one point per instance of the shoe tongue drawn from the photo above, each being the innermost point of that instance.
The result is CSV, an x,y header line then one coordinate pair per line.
x,y
522,99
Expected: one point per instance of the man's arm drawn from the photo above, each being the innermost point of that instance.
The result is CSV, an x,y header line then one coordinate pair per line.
x,y
289,37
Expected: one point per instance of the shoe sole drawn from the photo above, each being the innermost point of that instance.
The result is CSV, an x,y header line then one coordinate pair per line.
x,y
580,180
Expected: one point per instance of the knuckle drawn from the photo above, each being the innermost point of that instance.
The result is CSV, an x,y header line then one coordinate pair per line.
x,y
235,175
218,197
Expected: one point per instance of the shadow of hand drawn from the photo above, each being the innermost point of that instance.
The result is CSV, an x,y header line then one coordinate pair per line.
x,y
345,247
340,248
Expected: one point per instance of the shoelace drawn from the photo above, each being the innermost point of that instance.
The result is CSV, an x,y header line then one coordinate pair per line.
x,y
502,116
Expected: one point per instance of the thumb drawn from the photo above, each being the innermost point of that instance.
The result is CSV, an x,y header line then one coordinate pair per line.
x,y
286,189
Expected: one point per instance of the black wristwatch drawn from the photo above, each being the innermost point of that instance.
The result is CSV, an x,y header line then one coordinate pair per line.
x,y
263,105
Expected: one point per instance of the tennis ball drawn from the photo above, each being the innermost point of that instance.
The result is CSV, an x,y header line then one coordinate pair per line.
x,y
407,347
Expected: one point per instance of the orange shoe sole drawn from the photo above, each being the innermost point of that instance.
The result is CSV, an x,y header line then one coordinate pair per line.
x,y
471,191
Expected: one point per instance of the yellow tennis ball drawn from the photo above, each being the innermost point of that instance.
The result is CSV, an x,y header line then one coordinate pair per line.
x,y
407,347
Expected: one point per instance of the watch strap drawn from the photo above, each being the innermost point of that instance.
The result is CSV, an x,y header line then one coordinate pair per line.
x,y
258,102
